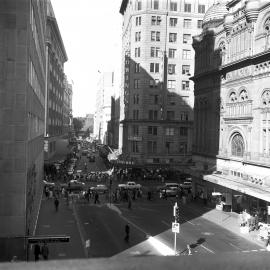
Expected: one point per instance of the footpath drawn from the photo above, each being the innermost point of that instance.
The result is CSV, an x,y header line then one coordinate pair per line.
x,y
62,222
227,220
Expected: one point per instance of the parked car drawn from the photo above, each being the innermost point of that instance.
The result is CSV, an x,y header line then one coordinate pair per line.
x,y
48,184
186,185
75,185
170,189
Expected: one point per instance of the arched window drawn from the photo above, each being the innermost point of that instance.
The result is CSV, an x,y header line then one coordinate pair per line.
x,y
222,48
266,98
243,96
233,97
237,145
267,26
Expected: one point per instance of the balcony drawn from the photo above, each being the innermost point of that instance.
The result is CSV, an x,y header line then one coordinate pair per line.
x,y
242,110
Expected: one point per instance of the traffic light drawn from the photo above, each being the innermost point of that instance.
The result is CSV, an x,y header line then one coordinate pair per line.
x,y
177,215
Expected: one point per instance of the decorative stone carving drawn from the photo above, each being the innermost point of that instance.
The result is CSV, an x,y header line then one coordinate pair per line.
x,y
252,10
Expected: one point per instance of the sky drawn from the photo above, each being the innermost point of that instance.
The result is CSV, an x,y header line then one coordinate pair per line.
x,y
91,32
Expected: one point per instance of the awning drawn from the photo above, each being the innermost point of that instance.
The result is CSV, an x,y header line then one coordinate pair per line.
x,y
262,193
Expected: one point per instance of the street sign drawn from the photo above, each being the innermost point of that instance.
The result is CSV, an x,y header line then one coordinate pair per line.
x,y
175,227
87,243
48,239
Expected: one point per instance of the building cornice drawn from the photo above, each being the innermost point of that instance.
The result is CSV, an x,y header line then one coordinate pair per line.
x,y
123,7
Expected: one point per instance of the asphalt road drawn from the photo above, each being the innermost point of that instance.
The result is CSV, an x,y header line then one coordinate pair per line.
x,y
150,223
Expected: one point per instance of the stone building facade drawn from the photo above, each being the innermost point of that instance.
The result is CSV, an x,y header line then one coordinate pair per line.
x,y
55,86
22,106
157,98
232,105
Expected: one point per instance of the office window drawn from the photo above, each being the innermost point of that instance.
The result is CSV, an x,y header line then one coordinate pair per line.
x,y
135,146
172,53
201,8
138,52
170,115
152,130
187,39
185,85
135,130
168,147
183,131
151,83
138,5
186,70
171,99
154,4
183,116
187,7
171,84
155,36
155,20
155,51
135,114
152,115
186,54
183,148
171,68
154,67
169,131
154,99
199,23
136,98
172,37
137,67
152,147
187,23
136,83
137,36
173,22
173,6
138,20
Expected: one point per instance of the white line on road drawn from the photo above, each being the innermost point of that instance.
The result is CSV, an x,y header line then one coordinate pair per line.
x,y
235,246
262,249
134,225
245,251
207,249
166,223
187,221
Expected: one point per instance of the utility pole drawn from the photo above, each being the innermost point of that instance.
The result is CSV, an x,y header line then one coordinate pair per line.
x,y
176,224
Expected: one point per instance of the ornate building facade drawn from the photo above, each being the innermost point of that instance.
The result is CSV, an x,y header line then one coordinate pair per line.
x,y
231,148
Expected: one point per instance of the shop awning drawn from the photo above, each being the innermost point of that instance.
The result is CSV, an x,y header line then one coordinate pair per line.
x,y
262,193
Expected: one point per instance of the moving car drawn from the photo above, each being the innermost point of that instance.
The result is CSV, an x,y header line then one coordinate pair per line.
x,y
169,189
91,158
186,185
75,185
130,185
100,189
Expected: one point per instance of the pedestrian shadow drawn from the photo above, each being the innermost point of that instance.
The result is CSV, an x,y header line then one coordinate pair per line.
x,y
198,243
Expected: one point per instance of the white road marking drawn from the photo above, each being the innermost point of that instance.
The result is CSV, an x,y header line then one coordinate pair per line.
x,y
166,223
62,255
86,223
262,249
134,225
187,221
211,251
245,251
46,226
254,250
235,246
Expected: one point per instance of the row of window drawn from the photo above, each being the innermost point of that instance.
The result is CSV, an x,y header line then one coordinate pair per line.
x,y
153,130
152,148
34,82
173,22
173,6
171,85
156,52
35,126
153,115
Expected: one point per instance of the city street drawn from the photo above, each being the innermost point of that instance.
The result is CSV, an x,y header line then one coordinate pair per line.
x,y
150,223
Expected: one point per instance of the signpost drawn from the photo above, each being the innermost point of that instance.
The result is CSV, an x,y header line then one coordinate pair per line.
x,y
175,224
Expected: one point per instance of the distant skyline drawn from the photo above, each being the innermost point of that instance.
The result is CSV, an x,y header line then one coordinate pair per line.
x,y
91,32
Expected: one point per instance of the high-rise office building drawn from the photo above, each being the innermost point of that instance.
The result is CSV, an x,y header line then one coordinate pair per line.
x,y
55,85
22,106
156,93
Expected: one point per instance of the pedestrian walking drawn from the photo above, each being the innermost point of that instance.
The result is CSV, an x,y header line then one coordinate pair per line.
x,y
96,198
56,204
127,230
45,251
36,252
